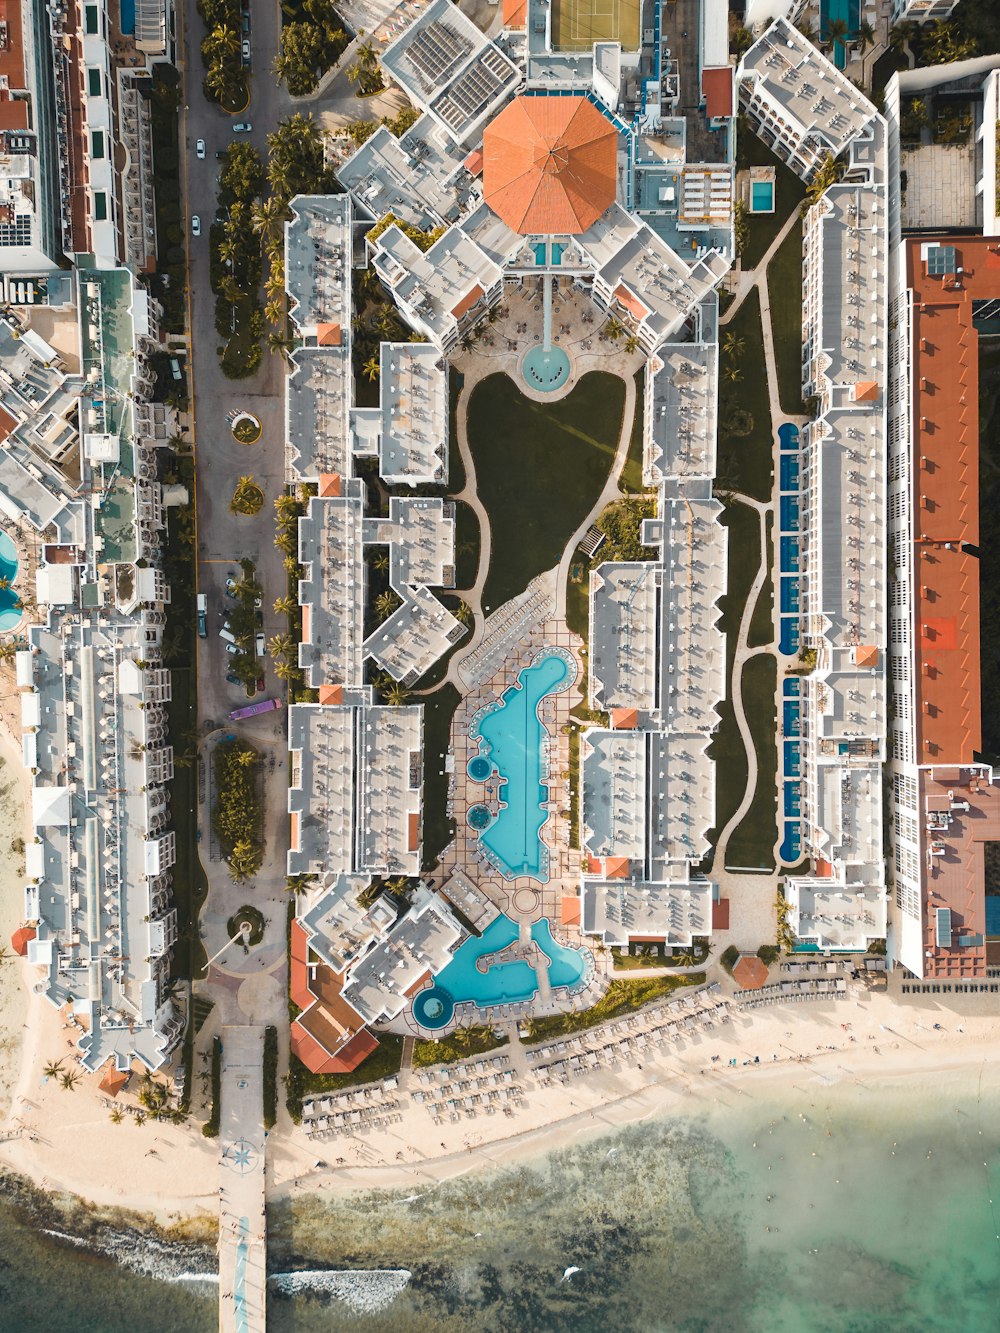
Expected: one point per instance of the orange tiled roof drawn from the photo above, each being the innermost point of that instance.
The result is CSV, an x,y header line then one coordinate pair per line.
x,y
328,335
514,13
549,165
329,484
866,391
750,972
331,694
474,162
866,655
569,909
717,89
468,301
630,301
616,867
624,719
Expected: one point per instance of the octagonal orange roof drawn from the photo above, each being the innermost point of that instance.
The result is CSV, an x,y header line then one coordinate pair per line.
x,y
549,165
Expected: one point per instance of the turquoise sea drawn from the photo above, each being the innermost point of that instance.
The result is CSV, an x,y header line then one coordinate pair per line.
x,y
842,1210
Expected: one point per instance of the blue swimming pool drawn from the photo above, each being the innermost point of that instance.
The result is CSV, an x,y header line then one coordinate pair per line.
x,y
790,717
791,844
501,983
9,613
793,759
788,637
762,197
788,435
792,801
789,555
789,513
789,595
789,473
512,736
479,768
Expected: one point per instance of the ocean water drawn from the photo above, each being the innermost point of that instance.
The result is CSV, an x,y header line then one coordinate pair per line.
x,y
848,1209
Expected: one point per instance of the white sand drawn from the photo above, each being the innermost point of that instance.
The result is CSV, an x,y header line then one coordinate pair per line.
x,y
15,784
77,1148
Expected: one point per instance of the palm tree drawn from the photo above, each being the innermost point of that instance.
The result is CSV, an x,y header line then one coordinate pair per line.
x,y
53,1069
463,613
396,695
734,374
385,603
733,345
279,342
117,1116
69,1079
285,606
372,369
268,220
865,35
836,31
285,670
281,645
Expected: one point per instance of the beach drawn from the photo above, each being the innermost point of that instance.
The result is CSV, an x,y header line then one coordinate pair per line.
x,y
15,793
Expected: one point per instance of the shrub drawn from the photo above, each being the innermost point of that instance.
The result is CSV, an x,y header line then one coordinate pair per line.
x,y
729,957
270,1076
211,1126
769,954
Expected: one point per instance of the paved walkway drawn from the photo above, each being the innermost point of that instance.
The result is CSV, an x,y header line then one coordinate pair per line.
x,y
242,1216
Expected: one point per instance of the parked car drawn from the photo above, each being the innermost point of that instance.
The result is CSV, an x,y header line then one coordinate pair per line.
x,y
195,225
260,684
261,646
199,148
225,634
233,680
230,585
245,48
221,154
242,127
246,23
232,648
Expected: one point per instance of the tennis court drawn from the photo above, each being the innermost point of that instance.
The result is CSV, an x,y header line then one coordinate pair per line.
x,y
577,24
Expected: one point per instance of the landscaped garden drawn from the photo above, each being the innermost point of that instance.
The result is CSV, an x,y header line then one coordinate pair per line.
x,y
539,469
623,996
461,1044
250,917
745,462
246,428
784,275
236,813
762,228
751,845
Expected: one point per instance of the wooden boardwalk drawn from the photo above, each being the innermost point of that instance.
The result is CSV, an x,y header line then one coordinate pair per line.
x,y
242,1216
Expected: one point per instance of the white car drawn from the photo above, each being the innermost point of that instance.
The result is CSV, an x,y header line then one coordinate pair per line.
x,y
195,225
232,648
242,127
199,148
261,647
245,48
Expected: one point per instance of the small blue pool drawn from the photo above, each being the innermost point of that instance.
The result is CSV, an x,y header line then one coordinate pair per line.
x,y
479,768
126,11
789,513
788,434
793,765
479,817
789,555
792,687
512,736
789,595
546,370
793,798
10,615
789,473
788,638
791,844
790,717
502,982
762,197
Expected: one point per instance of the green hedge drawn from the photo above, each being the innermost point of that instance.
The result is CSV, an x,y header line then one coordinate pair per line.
x,y
211,1126
270,1076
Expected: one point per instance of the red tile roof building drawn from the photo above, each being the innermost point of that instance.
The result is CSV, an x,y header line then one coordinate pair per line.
x,y
549,165
945,807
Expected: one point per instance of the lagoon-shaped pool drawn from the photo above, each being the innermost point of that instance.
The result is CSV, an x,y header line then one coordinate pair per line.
x,y
513,737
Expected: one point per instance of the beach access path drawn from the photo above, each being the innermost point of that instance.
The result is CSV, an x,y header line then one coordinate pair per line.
x,y
242,1211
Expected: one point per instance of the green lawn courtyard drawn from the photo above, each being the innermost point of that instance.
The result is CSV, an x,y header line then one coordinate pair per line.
x,y
539,469
784,276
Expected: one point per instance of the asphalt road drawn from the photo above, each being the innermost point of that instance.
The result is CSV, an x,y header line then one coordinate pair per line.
x,y
224,537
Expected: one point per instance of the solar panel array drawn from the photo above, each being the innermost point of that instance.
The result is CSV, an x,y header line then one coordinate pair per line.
x,y
470,95
436,51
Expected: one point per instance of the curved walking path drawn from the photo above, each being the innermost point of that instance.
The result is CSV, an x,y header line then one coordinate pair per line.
x,y
607,495
742,655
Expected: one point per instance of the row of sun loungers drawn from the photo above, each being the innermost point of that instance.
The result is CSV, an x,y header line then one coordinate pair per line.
x,y
832,988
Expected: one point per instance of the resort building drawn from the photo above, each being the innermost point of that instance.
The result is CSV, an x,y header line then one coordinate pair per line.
x,y
798,102
832,539
78,465
530,169
944,800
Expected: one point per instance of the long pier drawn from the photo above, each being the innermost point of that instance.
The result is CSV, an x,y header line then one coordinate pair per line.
x,y
242,1215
